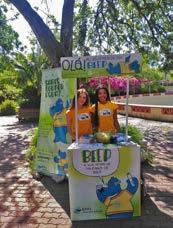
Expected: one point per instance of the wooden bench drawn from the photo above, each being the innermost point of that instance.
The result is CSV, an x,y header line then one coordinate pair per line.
x,y
28,114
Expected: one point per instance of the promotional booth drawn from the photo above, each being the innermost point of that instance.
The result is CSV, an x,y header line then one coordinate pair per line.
x,y
104,179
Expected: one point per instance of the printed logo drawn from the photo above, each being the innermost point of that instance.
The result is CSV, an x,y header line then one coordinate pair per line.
x,y
77,210
84,116
105,112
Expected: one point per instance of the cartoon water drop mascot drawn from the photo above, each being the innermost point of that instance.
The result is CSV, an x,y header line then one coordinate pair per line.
x,y
57,111
114,69
124,66
117,200
134,66
61,160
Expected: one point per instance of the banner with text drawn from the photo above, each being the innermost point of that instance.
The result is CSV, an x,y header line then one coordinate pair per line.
x,y
98,66
53,138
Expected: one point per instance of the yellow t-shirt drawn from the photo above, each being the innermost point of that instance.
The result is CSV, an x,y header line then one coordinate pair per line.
x,y
105,114
84,121
119,204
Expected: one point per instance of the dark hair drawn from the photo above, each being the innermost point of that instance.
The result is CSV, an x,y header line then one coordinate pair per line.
x,y
96,116
79,91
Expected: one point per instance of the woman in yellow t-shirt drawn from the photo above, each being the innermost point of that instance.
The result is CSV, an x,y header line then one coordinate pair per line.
x,y
84,116
104,112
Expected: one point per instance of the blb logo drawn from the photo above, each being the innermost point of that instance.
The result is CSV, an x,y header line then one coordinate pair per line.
x,y
77,210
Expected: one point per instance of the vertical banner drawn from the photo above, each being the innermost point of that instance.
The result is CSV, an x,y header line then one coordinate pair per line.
x,y
53,138
104,181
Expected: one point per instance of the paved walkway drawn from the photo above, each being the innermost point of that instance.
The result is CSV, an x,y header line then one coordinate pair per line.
x,y
25,202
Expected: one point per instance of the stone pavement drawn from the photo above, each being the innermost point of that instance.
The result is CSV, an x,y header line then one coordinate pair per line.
x,y
24,202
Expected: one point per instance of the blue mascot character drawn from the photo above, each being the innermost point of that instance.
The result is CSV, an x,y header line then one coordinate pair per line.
x,y
61,160
57,111
117,201
135,66
114,69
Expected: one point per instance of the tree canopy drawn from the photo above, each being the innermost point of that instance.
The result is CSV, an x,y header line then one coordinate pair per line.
x,y
8,39
112,26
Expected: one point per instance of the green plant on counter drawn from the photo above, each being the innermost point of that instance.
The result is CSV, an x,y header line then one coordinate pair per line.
x,y
8,108
31,152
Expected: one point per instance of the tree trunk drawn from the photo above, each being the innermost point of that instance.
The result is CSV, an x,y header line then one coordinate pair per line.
x,y
52,48
67,25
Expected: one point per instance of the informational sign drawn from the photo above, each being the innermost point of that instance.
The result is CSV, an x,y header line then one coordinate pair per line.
x,y
104,181
53,138
96,161
104,65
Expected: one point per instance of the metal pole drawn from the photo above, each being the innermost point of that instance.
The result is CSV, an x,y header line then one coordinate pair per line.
x,y
127,102
76,113
109,87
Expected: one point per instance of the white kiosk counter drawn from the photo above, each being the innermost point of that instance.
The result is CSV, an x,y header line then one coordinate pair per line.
x,y
104,181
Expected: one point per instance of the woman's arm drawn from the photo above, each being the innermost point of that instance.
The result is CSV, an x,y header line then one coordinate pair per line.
x,y
116,123
69,126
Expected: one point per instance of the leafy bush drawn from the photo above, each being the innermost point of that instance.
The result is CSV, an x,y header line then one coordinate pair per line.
x,y
134,132
31,98
31,152
147,155
8,107
9,92
137,137
144,88
161,88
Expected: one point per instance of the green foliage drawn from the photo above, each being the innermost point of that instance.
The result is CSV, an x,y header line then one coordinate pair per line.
x,y
138,137
144,88
8,40
149,72
82,20
9,92
28,70
152,87
8,107
34,138
135,25
31,152
134,132
30,97
147,155
157,87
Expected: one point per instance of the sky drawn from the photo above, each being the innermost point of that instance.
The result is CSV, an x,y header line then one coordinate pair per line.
x,y
24,29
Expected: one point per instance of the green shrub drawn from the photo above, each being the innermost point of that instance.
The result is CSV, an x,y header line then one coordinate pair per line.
x,y
31,152
146,155
30,97
154,88
144,88
8,107
137,137
161,88
9,92
134,132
